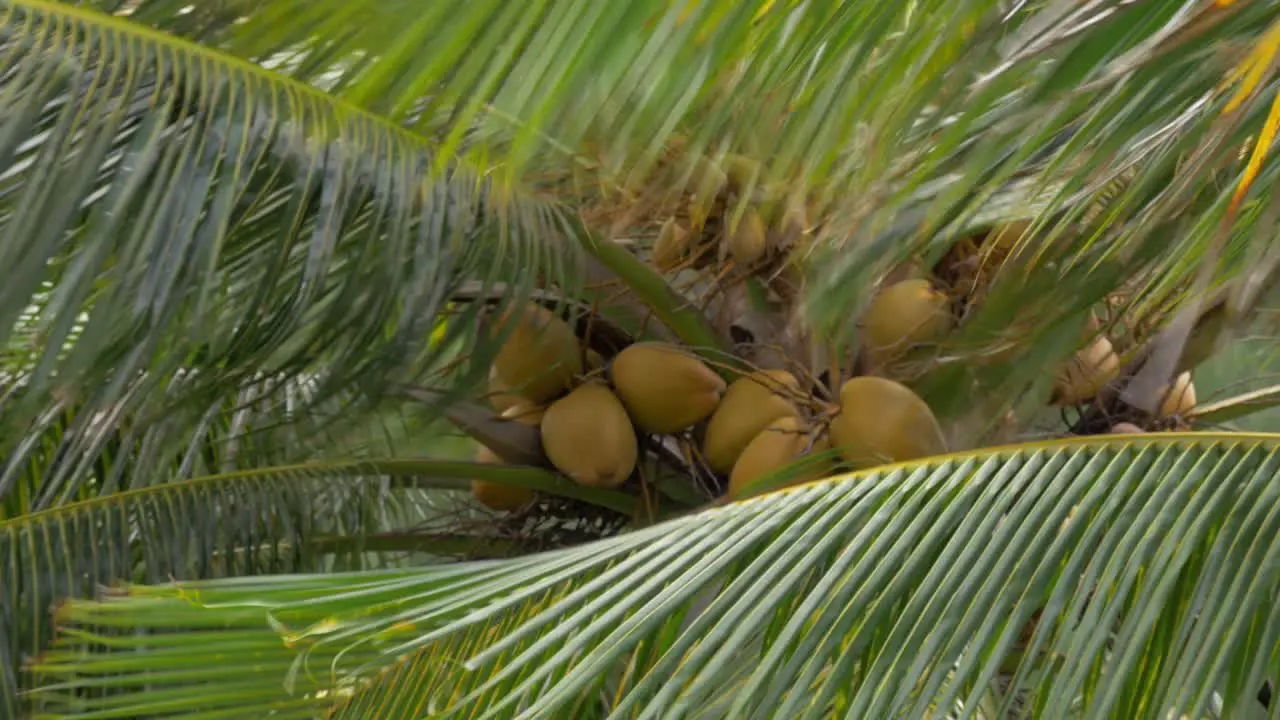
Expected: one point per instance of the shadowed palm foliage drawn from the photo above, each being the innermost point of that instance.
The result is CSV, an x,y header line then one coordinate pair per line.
x,y
188,241
247,250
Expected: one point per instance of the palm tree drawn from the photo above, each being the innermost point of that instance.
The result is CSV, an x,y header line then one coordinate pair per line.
x,y
259,260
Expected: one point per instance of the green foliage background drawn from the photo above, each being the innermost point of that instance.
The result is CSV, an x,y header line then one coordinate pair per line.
x,y
227,230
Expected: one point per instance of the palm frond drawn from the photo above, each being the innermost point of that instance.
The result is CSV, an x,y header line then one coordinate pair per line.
x,y
1127,576
224,526
305,518
1238,406
73,453
180,224
905,126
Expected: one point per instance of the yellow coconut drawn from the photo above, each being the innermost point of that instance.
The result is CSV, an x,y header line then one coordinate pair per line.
x,y
741,172
672,246
588,437
525,413
1181,399
1086,373
665,389
540,359
748,241
750,405
903,315
883,421
500,396
497,496
706,183
783,442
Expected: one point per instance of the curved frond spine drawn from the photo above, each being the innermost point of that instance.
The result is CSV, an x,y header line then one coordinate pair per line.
x,y
890,591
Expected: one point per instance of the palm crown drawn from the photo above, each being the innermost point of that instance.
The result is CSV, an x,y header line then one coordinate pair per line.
x,y
261,260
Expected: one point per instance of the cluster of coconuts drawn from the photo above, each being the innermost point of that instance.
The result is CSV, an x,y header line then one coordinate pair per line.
x,y
730,216
905,314
971,262
745,428
1093,367
541,377
746,425
912,313
1087,373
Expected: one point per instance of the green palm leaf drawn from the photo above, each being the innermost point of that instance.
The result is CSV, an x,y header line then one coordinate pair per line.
x,y
180,224
873,100
907,124
72,455
192,239
1127,577
306,518
1238,406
